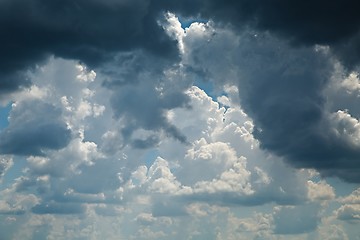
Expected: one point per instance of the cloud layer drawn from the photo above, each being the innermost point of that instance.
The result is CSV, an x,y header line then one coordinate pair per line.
x,y
120,123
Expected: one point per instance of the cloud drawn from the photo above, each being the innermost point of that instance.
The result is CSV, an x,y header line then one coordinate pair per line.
x,y
333,232
281,87
142,93
90,190
148,155
335,24
222,166
5,163
69,29
349,212
282,63
353,198
320,191
58,208
29,133
12,82
15,203
296,220
6,209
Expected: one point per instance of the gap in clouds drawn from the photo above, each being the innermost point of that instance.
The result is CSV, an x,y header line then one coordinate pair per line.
x,y
4,113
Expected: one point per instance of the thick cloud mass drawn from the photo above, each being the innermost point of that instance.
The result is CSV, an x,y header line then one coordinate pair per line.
x,y
335,23
89,31
281,89
29,133
121,124
92,31
288,112
312,22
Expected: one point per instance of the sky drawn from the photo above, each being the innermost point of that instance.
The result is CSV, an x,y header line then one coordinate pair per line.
x,y
139,119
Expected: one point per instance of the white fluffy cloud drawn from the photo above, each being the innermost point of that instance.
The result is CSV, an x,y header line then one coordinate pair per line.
x,y
320,191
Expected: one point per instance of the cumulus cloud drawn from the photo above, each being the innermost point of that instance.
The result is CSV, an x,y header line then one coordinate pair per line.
x,y
320,191
353,198
349,212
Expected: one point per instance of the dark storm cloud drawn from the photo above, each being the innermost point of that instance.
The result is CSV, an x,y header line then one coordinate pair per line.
x,y
13,81
335,23
313,22
90,31
281,88
34,127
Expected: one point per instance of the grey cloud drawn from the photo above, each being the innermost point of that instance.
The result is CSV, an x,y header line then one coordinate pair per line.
x,y
13,81
235,199
168,207
296,220
93,31
89,31
58,208
130,67
303,23
12,211
108,171
281,88
283,91
34,127
142,94
317,21
145,143
148,113
109,210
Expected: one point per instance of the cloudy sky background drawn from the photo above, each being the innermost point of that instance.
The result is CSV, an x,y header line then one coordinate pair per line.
x,y
183,120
